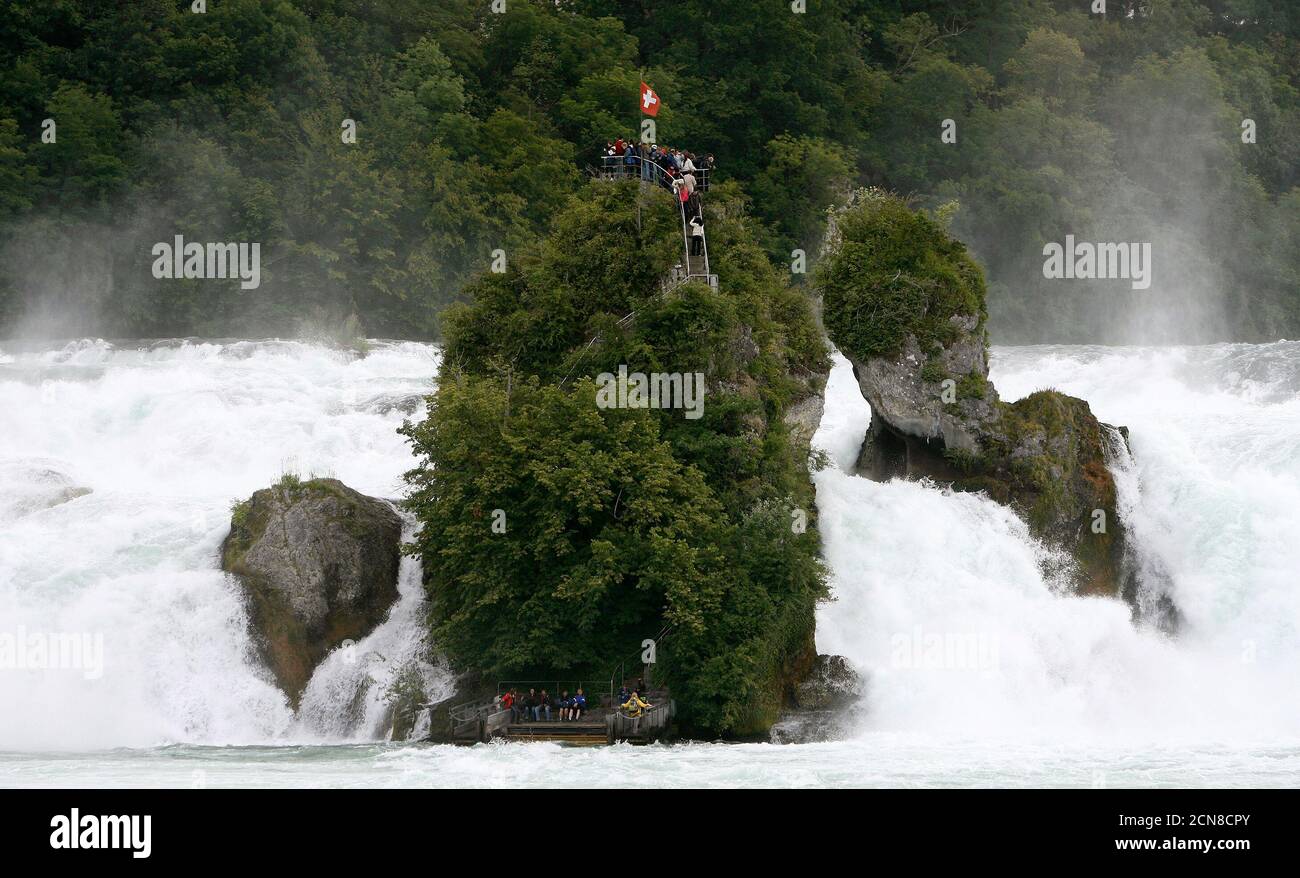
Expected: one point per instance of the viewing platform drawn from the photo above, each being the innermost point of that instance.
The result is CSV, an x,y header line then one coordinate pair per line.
x,y
694,266
486,720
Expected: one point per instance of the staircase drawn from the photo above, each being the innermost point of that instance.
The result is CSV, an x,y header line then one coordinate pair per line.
x,y
694,268
576,734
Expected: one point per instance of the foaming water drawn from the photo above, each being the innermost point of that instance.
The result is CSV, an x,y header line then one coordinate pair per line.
x,y
121,465
1211,495
118,466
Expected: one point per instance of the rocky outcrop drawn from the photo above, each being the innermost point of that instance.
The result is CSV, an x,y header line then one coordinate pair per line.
x,y
905,304
898,391
832,684
823,704
318,564
805,416
34,485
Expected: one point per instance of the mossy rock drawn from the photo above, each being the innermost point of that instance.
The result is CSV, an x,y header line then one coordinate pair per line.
x,y
318,563
894,272
905,303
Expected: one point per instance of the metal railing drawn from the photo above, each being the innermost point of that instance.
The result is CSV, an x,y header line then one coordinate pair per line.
x,y
479,720
618,167
636,166
553,688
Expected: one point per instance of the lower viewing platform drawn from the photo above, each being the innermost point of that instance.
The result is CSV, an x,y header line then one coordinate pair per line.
x,y
487,720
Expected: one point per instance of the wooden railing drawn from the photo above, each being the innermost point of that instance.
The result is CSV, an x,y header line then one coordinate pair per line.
x,y
478,720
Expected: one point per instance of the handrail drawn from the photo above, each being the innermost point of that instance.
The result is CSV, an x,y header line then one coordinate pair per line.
x,y
616,166
613,167
469,710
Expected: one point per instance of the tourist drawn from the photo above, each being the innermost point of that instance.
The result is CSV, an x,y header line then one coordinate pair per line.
x,y
530,705
565,701
629,161
507,702
624,694
697,236
543,707
578,706
634,705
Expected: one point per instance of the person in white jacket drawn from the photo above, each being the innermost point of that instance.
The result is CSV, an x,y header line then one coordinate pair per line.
x,y
697,236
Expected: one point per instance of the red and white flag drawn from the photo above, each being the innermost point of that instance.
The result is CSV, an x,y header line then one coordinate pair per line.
x,y
649,101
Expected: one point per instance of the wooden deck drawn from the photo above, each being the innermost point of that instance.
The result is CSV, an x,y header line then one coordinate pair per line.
x,y
487,721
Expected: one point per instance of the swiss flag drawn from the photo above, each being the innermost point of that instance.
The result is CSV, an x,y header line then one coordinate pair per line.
x,y
649,101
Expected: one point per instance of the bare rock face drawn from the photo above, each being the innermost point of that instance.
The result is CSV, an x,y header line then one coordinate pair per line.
x,y
896,388
832,684
805,416
824,704
318,563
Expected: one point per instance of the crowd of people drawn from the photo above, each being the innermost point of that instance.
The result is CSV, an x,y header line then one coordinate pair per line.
x,y
655,163
680,171
537,706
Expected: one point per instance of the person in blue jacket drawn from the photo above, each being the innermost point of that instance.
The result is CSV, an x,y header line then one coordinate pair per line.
x,y
577,706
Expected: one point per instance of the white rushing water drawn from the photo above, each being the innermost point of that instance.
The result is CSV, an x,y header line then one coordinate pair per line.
x,y
153,445
1036,687
1213,496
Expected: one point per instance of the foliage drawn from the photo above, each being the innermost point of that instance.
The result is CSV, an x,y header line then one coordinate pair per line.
x,y
620,524
474,128
894,273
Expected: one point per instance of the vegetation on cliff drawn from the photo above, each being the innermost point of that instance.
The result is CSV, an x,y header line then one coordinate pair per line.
x,y
896,273
613,525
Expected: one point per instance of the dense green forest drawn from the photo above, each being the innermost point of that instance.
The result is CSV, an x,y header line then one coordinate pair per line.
x,y
474,127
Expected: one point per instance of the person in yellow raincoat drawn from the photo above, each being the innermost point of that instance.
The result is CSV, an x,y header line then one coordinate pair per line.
x,y
634,705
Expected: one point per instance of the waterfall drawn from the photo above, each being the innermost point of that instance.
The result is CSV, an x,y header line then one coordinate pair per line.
x,y
118,468
1211,498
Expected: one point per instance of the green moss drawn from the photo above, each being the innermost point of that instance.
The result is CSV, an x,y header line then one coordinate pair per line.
x,y
966,461
933,371
972,386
